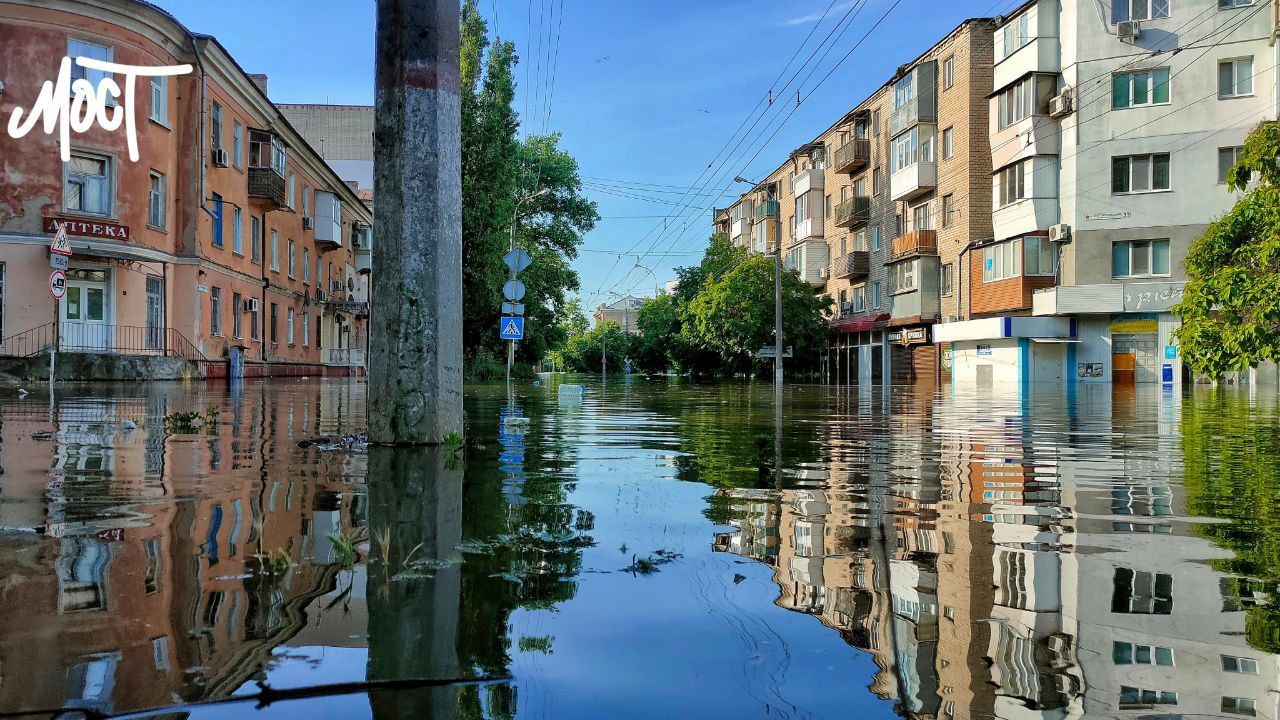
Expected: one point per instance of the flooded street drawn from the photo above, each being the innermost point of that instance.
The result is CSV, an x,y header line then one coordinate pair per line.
x,y
648,550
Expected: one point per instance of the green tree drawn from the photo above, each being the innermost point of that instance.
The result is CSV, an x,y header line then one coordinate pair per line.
x,y
658,348
1231,309
582,352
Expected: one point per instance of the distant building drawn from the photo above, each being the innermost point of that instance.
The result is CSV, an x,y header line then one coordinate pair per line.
x,y
625,312
342,134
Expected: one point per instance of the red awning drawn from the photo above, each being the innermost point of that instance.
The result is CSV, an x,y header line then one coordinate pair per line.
x,y
858,324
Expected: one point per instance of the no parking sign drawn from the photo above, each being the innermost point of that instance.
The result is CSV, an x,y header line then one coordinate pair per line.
x,y
58,284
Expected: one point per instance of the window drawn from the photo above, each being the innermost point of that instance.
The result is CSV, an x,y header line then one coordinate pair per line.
x,y
948,73
1244,666
1124,653
82,567
155,201
255,238
1148,87
1011,183
215,127
1,299
160,99
253,319
921,218
802,210
902,277
306,329
215,311
318,263
1239,706
1027,97
948,207
275,251
306,204
1139,173
1014,35
80,48
1137,696
947,149
1235,77
875,181
875,238
290,193
237,307
1138,10
828,206
275,321
237,144
293,258
266,151
1227,157
306,266
875,122
289,325
1225,4
1139,258
910,148
1002,260
88,186
948,273
875,295
237,230
1041,257
217,220
1141,592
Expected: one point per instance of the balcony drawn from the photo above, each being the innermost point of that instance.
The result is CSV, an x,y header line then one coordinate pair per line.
x,y
741,228
913,180
344,357
920,242
811,179
347,307
852,156
266,184
810,260
809,229
364,260
853,265
917,110
766,209
853,212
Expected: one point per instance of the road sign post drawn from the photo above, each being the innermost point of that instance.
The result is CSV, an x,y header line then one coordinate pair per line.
x,y
511,326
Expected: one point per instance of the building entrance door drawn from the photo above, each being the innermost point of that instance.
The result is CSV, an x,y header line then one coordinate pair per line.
x,y
85,312
1133,359
155,313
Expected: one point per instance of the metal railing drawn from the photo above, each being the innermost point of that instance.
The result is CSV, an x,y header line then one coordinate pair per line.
x,y
350,357
852,155
84,337
855,263
853,211
768,208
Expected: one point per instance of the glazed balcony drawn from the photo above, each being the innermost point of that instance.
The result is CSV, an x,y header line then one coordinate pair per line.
x,y
852,156
853,212
853,265
811,179
766,209
912,244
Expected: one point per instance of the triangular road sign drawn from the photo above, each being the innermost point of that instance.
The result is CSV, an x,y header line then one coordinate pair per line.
x,y
61,243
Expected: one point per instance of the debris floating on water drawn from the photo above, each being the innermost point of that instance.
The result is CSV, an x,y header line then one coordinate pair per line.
x,y
357,444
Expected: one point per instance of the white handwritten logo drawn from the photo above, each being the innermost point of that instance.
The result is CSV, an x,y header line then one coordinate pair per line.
x,y
66,106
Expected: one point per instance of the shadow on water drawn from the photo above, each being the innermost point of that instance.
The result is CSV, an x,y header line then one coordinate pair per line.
x,y
648,549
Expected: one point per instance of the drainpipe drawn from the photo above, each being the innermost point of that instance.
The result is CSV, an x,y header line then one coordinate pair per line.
x,y
195,47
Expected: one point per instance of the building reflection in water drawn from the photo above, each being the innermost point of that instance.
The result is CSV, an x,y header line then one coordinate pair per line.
x,y
995,567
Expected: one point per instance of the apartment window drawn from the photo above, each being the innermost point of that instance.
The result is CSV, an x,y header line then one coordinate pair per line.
x,y
902,277
80,48
237,307
1027,97
948,275
1011,183
1147,87
948,73
948,207
947,144
875,238
802,210
1139,173
1040,256
289,317
237,230
1244,666
266,151
1138,10
875,295
1139,258
160,99
875,181
1,299
237,144
306,266
275,251
292,258
306,201
215,311
875,122
860,299
318,266
859,188
860,240
909,148
1002,260
81,568
275,321
1141,592
921,218
291,191
1138,696
88,184
1125,653
828,207
255,238
1227,157
1239,706
1014,35
217,220
306,329
155,201
1235,77
1226,4
215,127
253,319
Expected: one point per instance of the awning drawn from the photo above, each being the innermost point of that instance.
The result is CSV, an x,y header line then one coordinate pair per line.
x,y
859,324
1054,341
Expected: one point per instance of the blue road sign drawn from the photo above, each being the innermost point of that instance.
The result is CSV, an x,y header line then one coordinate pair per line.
x,y
511,328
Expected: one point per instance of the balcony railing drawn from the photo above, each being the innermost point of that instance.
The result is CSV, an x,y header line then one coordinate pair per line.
x,y
852,156
853,264
344,357
766,209
919,242
267,184
87,337
853,211
350,307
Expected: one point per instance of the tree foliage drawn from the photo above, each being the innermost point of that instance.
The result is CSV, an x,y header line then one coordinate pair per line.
x,y
1231,308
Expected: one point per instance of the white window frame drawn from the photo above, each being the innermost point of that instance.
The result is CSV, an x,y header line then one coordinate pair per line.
x,y
1139,10
237,230
1041,248
237,144
948,143
904,277
157,196
1133,162
84,48
289,319
1151,258
1147,78
160,99
306,330
1011,184
215,127
109,168
1236,78
1223,170
1005,261
293,257
306,266
275,250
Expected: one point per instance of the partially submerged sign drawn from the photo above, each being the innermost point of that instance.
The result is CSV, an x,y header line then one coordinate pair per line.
x,y
770,351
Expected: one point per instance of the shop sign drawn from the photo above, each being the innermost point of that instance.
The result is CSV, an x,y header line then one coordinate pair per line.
x,y
915,335
1152,297
1170,352
1130,324
946,359
984,349
1089,370
88,228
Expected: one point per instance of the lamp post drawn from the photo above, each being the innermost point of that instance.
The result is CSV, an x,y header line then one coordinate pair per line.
x,y
515,218
777,294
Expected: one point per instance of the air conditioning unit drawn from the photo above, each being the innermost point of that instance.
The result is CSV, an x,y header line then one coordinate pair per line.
x,y
1060,233
1060,105
1129,30
308,223
220,157
824,273
251,305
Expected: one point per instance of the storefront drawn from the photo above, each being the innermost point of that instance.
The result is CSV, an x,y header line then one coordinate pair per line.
x,y
914,359
859,352
1009,350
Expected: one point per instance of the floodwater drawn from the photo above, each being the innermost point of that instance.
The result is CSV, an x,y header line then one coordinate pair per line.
x,y
648,550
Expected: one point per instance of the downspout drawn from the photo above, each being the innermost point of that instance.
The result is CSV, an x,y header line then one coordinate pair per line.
x,y
195,47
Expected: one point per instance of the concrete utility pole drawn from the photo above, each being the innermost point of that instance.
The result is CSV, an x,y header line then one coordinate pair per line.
x,y
415,353
777,314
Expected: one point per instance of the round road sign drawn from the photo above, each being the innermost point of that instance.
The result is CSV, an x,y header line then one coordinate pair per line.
x,y
58,284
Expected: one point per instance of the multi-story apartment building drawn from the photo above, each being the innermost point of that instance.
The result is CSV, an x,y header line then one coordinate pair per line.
x,y
1111,135
227,237
624,311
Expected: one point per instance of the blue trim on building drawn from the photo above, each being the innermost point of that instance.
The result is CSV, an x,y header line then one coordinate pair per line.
x,y
1006,326
1024,361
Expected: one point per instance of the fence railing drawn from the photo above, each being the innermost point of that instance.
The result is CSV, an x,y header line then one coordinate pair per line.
x,y
350,357
101,338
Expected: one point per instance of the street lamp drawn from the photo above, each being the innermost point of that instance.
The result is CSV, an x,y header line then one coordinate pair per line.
x,y
515,217
777,294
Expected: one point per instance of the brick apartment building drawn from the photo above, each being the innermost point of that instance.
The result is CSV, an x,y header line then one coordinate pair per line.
x,y
229,235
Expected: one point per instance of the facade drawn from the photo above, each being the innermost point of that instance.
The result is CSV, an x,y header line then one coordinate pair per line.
x,y
625,312
229,237
342,134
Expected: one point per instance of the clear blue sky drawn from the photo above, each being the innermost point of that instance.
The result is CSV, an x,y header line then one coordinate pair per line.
x,y
645,93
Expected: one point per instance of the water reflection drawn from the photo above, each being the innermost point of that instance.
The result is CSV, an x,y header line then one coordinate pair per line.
x,y
858,553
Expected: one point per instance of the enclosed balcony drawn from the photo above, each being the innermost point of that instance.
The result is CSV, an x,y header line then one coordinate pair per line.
x,y
852,156
810,260
811,179
912,244
853,212
267,168
853,265
766,209
915,98
914,180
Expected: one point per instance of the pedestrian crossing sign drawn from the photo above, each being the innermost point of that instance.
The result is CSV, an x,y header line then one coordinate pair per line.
x,y
511,328
61,244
